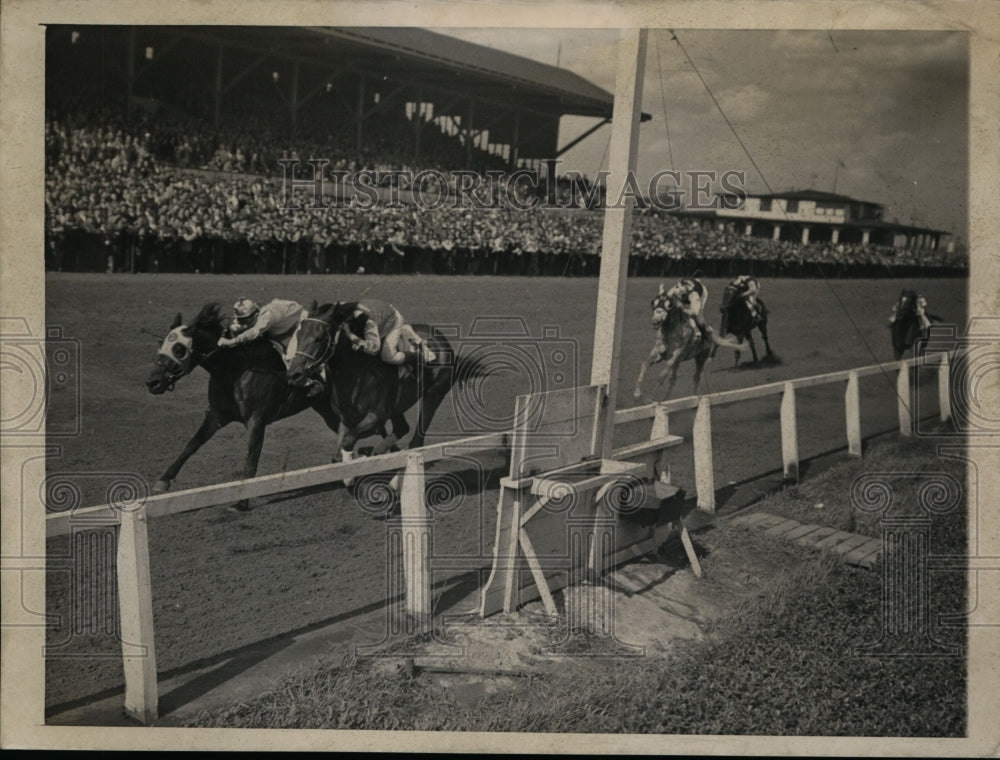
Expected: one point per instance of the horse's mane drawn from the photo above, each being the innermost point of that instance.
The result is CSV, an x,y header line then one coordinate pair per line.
x,y
210,317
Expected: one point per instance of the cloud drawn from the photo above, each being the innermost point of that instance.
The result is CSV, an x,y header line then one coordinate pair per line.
x,y
892,104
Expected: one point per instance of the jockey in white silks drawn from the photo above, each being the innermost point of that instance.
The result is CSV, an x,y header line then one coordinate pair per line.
x,y
690,294
383,328
277,320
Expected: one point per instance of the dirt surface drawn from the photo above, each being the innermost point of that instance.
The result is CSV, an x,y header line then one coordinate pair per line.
x,y
223,580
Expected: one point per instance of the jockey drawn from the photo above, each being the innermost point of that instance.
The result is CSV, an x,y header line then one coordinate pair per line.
x,y
688,293
748,288
278,321
383,326
919,308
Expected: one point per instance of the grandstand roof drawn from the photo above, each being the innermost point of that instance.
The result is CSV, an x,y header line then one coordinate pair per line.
x,y
517,101
425,58
570,90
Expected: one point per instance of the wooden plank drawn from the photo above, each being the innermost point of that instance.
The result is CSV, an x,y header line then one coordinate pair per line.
x,y
499,587
519,438
415,525
944,388
789,435
866,549
536,573
770,389
623,149
751,519
814,537
704,474
634,414
160,505
800,532
852,412
782,528
903,403
688,547
135,600
868,561
646,447
661,429
769,521
645,411
849,544
834,540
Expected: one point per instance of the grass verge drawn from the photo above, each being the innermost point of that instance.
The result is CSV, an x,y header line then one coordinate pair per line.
x,y
788,660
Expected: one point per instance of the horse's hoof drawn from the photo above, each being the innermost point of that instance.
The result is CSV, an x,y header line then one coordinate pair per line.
x,y
240,506
161,486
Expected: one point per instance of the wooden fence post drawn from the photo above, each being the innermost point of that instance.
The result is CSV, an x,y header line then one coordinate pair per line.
x,y
789,435
135,603
661,429
704,474
852,408
416,539
903,403
944,388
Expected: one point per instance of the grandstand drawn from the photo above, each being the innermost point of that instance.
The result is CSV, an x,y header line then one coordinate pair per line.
x,y
164,149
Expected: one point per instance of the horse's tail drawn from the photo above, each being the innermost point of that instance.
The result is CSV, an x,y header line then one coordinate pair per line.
x,y
725,343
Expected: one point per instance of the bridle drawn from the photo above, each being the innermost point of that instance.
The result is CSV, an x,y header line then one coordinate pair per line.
x,y
662,303
324,356
175,370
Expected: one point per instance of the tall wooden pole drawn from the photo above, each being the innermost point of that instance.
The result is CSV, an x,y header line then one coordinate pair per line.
x,y
618,220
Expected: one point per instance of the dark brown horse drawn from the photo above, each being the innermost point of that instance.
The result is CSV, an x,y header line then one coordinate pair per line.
x,y
737,320
247,384
677,340
365,392
907,327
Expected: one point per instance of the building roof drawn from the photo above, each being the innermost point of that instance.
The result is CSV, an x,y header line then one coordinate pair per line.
x,y
421,57
569,89
810,195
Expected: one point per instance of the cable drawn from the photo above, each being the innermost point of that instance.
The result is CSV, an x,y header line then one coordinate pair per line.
x,y
829,285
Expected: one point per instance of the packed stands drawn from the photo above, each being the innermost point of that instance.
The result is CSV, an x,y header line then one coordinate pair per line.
x,y
171,193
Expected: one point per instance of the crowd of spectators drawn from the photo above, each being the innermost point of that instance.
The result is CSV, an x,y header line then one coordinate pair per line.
x,y
165,195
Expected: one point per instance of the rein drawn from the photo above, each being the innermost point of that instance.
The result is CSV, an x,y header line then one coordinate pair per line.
x,y
327,352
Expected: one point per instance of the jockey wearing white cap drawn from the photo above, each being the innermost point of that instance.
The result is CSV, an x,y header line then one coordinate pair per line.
x,y
277,320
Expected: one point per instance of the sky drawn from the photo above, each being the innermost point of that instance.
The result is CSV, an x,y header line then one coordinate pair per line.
x,y
884,115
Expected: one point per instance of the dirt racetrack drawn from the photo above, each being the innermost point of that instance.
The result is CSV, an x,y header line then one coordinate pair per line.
x,y
222,580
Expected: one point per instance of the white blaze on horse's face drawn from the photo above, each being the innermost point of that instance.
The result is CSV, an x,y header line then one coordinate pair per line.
x,y
177,347
659,309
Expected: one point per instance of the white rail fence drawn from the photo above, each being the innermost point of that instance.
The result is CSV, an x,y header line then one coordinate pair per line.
x,y
133,572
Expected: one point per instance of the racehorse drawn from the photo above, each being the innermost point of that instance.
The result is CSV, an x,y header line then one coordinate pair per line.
x,y
737,320
366,392
247,384
906,327
677,340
